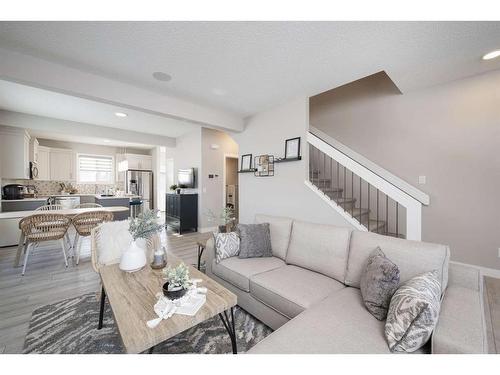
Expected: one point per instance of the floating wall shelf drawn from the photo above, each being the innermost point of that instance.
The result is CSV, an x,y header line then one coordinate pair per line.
x,y
284,160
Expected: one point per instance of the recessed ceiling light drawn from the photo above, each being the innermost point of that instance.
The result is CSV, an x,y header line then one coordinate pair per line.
x,y
161,76
106,141
491,55
120,114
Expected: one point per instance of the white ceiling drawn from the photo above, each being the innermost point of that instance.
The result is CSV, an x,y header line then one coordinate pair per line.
x,y
25,99
246,67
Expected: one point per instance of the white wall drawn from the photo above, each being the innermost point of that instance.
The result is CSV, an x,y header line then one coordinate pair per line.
x,y
284,194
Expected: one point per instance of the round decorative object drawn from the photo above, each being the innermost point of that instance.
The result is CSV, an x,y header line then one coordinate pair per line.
x,y
173,294
159,266
134,258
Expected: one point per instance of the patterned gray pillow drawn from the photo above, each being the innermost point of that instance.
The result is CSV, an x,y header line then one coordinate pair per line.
x,y
226,245
255,240
413,313
378,283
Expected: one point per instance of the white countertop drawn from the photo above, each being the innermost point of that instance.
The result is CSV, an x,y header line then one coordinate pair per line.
x,y
45,197
69,212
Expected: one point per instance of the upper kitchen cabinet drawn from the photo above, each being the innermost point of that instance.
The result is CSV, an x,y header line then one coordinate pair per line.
x,y
134,161
62,165
14,153
43,163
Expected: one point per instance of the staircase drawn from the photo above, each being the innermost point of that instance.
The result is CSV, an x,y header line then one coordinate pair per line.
x,y
370,202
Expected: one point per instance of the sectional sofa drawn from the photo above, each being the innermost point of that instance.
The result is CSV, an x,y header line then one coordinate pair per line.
x,y
308,292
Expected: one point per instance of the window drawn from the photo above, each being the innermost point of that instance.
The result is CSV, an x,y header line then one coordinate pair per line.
x,y
94,169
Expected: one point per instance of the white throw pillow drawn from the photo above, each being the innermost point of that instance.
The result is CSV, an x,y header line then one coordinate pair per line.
x,y
113,239
226,245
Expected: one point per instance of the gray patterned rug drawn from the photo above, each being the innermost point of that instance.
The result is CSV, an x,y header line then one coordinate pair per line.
x,y
70,326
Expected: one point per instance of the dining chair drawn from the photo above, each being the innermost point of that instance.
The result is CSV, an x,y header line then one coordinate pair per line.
x,y
49,207
41,228
84,223
88,205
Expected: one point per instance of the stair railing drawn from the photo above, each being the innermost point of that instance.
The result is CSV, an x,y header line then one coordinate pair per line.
x,y
367,200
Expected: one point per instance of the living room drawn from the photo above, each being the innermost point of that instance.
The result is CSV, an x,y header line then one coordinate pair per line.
x,y
225,186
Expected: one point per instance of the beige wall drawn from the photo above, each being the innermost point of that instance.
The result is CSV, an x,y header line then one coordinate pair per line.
x,y
285,194
213,163
449,133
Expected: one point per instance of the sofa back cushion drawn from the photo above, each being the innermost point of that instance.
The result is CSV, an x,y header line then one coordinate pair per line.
x,y
412,257
280,228
320,248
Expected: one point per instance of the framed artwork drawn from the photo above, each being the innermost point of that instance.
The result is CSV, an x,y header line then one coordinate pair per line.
x,y
264,166
246,162
292,148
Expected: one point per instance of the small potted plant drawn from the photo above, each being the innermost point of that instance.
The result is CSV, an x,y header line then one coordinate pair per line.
x,y
173,187
178,281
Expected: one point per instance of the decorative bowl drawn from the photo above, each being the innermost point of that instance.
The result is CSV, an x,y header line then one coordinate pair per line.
x,y
173,294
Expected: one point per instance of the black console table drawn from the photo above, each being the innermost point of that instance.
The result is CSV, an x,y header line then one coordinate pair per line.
x,y
182,212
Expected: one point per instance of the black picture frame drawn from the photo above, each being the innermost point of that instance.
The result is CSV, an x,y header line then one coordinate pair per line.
x,y
298,148
243,157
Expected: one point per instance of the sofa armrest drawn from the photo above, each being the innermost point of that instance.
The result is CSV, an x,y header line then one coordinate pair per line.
x,y
209,255
461,328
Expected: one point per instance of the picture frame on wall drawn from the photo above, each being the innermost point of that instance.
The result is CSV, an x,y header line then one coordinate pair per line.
x,y
292,148
246,162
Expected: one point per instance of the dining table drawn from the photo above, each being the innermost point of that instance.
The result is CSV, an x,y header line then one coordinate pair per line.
x,y
70,212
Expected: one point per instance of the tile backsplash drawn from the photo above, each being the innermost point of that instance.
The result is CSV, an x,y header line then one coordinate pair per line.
x,y
53,187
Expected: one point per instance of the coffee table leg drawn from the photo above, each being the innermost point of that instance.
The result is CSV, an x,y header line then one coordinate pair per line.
x,y
101,311
150,351
229,324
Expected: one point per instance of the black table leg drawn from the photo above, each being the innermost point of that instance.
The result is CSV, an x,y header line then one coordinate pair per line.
x,y
200,253
150,351
101,312
229,324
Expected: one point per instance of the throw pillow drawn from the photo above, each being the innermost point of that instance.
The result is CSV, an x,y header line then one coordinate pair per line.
x,y
226,245
255,240
378,283
413,313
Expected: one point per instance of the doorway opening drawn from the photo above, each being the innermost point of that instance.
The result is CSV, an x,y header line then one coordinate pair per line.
x,y
230,191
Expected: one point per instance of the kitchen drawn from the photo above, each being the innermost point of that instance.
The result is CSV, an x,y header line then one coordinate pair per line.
x,y
37,169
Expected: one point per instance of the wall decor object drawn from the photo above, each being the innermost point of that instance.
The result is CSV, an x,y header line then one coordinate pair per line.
x,y
246,163
264,165
292,148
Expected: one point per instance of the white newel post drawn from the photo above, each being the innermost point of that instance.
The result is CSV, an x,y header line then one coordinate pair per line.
x,y
414,221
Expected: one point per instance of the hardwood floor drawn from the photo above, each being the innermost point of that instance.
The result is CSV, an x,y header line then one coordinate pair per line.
x,y
47,280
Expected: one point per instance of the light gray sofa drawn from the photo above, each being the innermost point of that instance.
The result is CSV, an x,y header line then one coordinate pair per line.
x,y
308,292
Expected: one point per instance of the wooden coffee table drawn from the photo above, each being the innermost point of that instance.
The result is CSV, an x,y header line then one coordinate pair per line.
x,y
133,295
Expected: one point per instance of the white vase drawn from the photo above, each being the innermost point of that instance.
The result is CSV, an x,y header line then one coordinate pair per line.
x,y
134,258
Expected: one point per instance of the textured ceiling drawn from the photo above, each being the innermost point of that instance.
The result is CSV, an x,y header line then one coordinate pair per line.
x,y
246,67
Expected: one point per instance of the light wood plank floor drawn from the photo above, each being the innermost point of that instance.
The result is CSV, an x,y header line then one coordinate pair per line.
x,y
47,280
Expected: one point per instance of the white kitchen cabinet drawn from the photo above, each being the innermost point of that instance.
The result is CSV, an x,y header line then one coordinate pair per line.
x,y
135,161
43,163
62,165
14,153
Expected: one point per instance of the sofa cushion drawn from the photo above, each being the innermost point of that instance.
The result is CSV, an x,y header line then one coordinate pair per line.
x,y
255,240
412,257
290,289
320,248
280,228
237,271
338,324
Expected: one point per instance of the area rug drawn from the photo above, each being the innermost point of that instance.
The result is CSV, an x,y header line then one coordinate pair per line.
x,y
70,327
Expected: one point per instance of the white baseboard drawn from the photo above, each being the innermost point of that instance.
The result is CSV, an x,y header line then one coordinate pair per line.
x,y
485,271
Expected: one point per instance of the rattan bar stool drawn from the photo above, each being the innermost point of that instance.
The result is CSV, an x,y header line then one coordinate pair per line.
x,y
55,207
84,223
44,227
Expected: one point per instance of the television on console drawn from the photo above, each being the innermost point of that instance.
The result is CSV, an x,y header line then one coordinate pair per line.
x,y
186,177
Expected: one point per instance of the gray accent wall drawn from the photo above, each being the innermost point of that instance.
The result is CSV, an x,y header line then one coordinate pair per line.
x,y
285,194
449,133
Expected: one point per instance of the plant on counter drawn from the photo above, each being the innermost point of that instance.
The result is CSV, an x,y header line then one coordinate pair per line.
x,y
173,187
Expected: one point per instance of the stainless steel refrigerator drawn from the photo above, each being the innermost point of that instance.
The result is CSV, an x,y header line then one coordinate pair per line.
x,y
141,183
